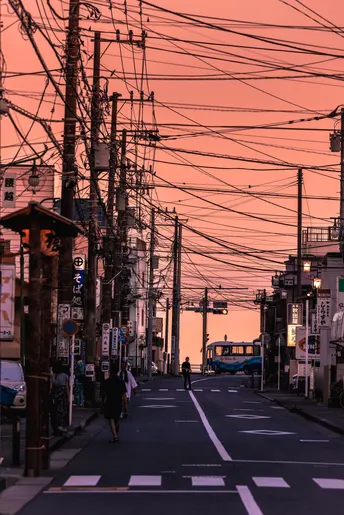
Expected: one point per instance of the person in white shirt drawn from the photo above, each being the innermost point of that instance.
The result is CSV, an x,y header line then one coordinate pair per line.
x,y
130,384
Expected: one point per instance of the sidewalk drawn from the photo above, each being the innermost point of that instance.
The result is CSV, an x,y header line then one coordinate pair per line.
x,y
9,473
331,418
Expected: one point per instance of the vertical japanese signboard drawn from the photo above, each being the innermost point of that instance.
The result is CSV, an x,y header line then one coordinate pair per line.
x,y
114,342
78,287
340,293
9,191
7,301
324,308
106,342
295,314
62,340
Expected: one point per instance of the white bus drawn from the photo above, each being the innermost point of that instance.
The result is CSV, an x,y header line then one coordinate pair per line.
x,y
234,357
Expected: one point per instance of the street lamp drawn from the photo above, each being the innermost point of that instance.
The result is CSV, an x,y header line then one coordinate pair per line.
x,y
307,266
316,282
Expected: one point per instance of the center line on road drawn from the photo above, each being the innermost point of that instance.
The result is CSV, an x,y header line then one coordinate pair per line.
x,y
211,433
248,501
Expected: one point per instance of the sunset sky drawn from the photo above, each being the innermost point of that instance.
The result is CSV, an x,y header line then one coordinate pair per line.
x,y
239,88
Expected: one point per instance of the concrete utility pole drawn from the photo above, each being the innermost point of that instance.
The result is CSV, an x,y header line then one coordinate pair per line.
x,y
93,211
175,296
151,298
204,330
167,319
68,158
109,238
123,228
341,213
299,232
179,280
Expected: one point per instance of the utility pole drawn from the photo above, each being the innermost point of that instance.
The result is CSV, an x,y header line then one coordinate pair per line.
x,y
93,211
69,175
204,331
167,318
174,297
299,232
179,279
151,298
341,213
109,238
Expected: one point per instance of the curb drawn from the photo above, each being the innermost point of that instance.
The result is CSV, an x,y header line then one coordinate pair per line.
x,y
293,409
75,431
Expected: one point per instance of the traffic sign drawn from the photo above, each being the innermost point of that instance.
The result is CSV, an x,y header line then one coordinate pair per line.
x,y
70,327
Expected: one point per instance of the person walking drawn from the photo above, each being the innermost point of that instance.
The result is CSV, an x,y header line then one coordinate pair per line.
x,y
130,385
186,371
79,379
59,399
114,395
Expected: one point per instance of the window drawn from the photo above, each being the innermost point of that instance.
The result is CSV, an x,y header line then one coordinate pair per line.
x,y
249,350
237,350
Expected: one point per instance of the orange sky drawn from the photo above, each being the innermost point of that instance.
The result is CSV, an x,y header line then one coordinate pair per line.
x,y
239,102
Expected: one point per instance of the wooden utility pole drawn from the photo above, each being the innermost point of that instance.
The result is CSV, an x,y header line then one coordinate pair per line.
x,y
33,355
69,173
299,232
93,211
151,299
47,265
179,279
204,330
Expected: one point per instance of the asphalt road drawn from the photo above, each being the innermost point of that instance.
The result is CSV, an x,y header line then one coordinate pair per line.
x,y
218,448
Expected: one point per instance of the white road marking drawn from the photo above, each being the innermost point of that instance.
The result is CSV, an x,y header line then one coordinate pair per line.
x,y
211,433
270,482
160,398
284,462
330,484
251,402
315,441
82,481
156,406
180,390
200,380
248,501
267,432
207,481
248,416
149,491
163,389
198,389
215,390
232,391
145,481
201,465
277,407
146,389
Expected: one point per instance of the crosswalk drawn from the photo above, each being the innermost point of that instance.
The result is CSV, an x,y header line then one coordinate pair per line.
x,y
208,390
166,481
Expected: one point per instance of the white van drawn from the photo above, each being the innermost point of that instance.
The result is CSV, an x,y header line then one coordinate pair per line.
x,y
12,376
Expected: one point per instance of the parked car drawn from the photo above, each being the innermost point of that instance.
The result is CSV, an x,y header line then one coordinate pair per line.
x,y
12,376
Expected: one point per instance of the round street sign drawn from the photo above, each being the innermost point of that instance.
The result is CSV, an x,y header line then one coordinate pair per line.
x,y
70,327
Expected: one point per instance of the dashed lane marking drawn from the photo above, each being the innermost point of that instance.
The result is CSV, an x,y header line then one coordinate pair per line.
x,y
82,481
207,481
145,481
330,484
270,482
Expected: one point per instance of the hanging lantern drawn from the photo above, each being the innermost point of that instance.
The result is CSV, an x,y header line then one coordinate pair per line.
x,y
307,266
49,241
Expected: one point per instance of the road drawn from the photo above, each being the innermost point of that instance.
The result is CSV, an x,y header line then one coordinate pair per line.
x,y
218,446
